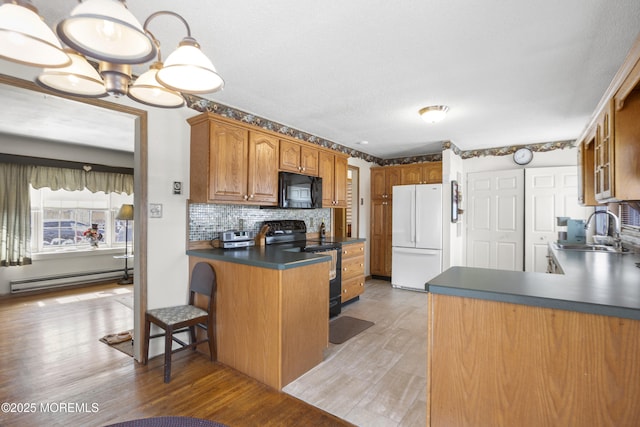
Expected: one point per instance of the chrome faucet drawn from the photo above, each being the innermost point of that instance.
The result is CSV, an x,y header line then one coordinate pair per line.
x,y
617,241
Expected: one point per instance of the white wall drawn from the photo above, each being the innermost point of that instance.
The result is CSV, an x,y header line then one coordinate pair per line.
x,y
364,211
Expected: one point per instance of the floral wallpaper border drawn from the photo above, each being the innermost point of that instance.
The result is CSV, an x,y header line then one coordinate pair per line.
x,y
204,105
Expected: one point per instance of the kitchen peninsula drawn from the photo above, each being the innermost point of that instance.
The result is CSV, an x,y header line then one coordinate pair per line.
x,y
512,348
272,309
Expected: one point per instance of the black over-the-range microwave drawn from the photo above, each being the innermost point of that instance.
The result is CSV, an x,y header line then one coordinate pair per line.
x,y
296,191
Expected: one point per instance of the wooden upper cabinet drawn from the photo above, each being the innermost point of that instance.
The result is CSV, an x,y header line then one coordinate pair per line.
x,y
586,171
422,173
382,181
262,182
333,171
298,158
230,164
603,154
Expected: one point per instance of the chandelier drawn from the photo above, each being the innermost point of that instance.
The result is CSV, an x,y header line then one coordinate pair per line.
x,y
107,32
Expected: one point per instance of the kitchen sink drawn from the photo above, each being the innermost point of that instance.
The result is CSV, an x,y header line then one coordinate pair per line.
x,y
589,248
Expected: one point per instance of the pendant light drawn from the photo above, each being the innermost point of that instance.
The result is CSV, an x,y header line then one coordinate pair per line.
x,y
26,39
78,79
107,31
188,70
147,90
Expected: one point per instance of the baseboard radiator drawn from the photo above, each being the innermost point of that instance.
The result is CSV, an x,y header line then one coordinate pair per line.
x,y
49,282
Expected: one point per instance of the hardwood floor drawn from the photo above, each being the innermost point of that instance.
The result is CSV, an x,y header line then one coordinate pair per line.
x,y
56,372
377,378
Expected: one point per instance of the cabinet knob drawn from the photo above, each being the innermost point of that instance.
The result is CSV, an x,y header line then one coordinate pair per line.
x,y
361,284
344,269
251,196
245,197
345,291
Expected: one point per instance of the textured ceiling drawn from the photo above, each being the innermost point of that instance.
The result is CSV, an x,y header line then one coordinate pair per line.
x,y
349,71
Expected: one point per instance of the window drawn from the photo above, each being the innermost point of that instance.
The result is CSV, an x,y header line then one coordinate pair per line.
x,y
630,217
60,218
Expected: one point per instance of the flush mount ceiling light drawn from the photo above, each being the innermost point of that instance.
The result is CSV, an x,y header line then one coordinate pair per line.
x,y
434,113
106,31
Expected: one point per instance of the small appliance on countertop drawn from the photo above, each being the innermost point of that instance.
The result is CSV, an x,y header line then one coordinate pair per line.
x,y
237,239
574,233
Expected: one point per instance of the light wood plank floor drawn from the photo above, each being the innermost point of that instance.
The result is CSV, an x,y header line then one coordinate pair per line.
x,y
377,378
50,357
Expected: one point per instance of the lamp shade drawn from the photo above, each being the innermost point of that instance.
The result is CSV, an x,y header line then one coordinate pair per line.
x,y
78,79
26,39
147,90
125,213
106,30
188,70
434,113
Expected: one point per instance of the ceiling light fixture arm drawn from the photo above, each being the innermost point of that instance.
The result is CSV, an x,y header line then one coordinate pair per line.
x,y
166,12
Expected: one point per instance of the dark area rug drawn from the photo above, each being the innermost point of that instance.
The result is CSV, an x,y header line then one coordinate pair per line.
x,y
169,422
345,327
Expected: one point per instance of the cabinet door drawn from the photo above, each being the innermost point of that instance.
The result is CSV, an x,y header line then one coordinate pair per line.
x,y
327,172
340,181
309,160
378,183
378,237
262,178
228,163
411,174
392,177
604,155
432,173
289,156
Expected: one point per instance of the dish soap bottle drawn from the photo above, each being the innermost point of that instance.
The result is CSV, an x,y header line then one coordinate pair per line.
x,y
323,230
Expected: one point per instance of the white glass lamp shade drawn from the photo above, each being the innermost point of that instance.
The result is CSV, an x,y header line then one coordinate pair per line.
x,y
78,79
433,114
147,90
188,70
106,30
26,39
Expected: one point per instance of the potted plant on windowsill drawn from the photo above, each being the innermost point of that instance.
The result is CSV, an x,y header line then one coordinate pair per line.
x,y
93,236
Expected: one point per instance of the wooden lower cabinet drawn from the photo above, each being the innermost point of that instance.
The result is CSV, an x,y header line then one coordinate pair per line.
x,y
501,364
272,325
352,270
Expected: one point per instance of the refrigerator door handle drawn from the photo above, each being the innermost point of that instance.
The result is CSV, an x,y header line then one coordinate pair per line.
x,y
418,215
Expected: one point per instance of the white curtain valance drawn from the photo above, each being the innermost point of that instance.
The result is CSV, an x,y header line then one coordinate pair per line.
x,y
77,179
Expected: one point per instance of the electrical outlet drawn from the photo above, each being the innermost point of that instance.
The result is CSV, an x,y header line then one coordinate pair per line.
x,y
311,223
241,223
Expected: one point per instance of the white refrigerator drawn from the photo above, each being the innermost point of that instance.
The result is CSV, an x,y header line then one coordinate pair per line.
x,y
416,235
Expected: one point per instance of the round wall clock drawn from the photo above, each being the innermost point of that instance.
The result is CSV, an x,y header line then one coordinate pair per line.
x,y
523,156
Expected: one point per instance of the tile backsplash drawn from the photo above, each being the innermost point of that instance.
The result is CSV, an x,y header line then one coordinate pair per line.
x,y
207,221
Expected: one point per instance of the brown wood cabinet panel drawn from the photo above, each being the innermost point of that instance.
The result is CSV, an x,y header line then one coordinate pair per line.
x,y
350,250
421,173
352,267
228,163
298,158
380,262
352,288
309,160
586,171
272,325
500,364
262,182
232,164
332,168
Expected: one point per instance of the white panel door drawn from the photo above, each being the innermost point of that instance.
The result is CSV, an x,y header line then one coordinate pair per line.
x,y
549,193
495,230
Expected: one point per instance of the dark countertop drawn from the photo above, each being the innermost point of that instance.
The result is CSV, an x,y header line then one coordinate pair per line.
x,y
594,282
275,257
